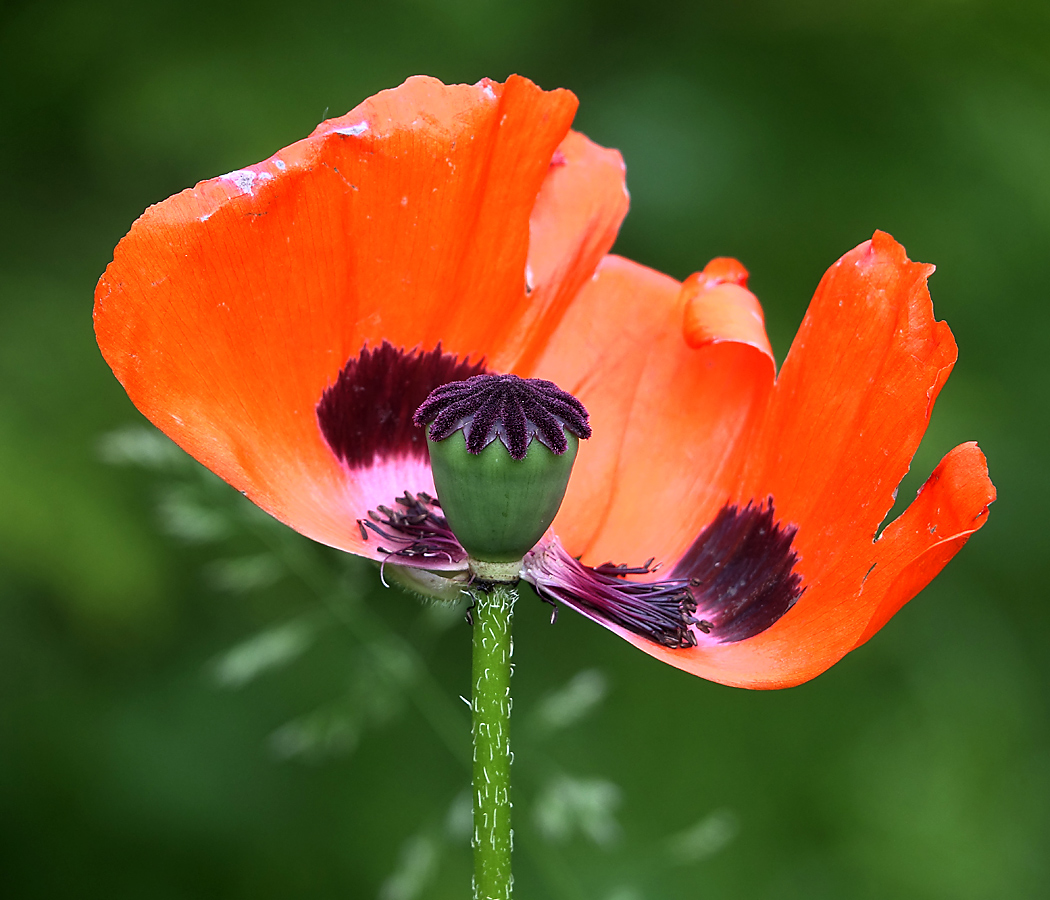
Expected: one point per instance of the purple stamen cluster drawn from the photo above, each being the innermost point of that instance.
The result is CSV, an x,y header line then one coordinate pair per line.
x,y
661,611
413,531
507,407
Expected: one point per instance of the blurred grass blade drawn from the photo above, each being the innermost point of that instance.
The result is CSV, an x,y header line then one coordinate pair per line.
x,y
624,893
569,806
459,821
262,653
183,516
136,445
415,869
571,703
244,574
317,736
709,836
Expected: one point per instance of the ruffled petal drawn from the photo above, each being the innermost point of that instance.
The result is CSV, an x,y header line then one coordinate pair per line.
x,y
229,308
851,403
670,410
848,411
850,603
719,308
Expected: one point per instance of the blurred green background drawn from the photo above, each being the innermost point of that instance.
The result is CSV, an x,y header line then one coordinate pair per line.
x,y
195,703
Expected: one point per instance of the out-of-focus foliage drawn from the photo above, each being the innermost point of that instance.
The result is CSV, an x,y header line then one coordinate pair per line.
x,y
196,703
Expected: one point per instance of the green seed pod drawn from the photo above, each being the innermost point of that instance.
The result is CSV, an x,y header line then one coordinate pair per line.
x,y
501,449
499,507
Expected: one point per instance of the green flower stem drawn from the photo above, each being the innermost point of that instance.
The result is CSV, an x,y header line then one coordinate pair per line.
x,y
493,647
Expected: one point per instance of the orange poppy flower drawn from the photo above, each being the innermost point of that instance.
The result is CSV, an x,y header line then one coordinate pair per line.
x,y
283,322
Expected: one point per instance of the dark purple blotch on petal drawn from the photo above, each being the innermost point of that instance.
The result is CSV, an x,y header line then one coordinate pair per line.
x,y
741,571
367,413
513,409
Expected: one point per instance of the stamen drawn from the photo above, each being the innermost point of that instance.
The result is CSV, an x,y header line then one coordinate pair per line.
x,y
658,610
619,570
413,533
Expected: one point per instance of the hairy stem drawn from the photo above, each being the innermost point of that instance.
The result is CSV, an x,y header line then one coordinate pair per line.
x,y
493,647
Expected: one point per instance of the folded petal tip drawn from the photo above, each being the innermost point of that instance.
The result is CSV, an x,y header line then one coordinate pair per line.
x,y
719,308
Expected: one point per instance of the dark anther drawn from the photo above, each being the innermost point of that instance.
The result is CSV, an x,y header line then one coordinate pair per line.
x,y
620,570
507,407
364,531
553,606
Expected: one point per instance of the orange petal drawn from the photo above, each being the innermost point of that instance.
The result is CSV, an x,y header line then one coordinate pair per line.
x,y
669,419
851,403
719,307
230,307
951,506
849,408
573,225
